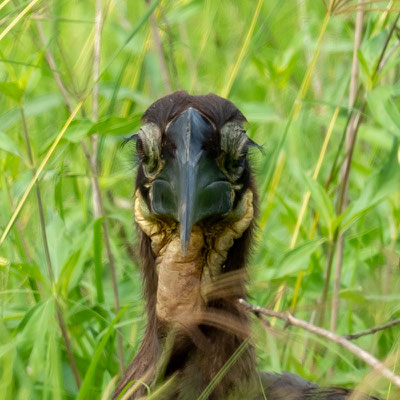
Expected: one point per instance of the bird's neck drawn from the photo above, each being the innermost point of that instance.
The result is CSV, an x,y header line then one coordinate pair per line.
x,y
195,327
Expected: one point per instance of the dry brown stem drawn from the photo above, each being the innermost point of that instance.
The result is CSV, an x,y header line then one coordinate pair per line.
x,y
289,319
351,133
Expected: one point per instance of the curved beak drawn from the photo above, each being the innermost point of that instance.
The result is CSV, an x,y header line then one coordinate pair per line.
x,y
191,186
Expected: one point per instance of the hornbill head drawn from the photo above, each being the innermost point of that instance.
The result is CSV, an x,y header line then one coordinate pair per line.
x,y
194,207
194,195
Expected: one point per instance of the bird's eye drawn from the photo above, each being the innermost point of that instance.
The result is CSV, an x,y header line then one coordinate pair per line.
x,y
148,147
234,145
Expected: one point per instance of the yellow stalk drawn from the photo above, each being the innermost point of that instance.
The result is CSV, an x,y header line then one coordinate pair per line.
x,y
4,3
205,36
225,92
274,184
297,108
135,79
17,18
86,52
278,300
307,78
38,172
305,203
314,227
383,17
317,169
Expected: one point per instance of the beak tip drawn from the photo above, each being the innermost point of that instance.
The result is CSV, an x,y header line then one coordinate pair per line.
x,y
185,239
184,249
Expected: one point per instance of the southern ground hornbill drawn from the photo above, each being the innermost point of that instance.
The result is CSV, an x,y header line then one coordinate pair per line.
x,y
195,206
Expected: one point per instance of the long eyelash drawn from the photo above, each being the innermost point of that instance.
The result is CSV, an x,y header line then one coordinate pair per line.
x,y
132,142
134,138
260,147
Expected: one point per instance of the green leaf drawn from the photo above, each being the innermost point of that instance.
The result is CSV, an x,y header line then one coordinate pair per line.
x,y
364,64
298,258
322,201
8,145
58,194
11,90
115,126
71,271
39,105
31,271
78,130
85,391
378,186
86,315
383,109
28,315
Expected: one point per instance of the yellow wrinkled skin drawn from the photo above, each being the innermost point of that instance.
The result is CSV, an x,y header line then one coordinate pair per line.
x,y
182,278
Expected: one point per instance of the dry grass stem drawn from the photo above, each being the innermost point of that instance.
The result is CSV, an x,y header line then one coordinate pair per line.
x,y
354,121
351,133
17,18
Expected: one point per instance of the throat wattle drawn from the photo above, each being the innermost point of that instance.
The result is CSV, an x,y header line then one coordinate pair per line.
x,y
179,299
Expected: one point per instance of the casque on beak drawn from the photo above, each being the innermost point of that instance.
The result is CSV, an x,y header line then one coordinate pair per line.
x,y
190,186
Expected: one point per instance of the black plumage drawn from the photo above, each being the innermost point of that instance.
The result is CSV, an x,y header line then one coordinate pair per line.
x,y
194,184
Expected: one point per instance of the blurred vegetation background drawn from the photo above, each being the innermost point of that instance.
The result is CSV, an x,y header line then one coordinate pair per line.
x,y
75,77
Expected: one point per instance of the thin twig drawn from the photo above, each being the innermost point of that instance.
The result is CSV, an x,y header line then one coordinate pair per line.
x,y
289,319
160,52
351,133
375,329
375,9
60,317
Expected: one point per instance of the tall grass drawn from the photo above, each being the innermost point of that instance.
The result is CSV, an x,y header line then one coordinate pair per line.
x,y
266,57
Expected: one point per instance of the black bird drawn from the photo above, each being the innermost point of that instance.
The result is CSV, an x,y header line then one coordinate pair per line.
x,y
195,208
